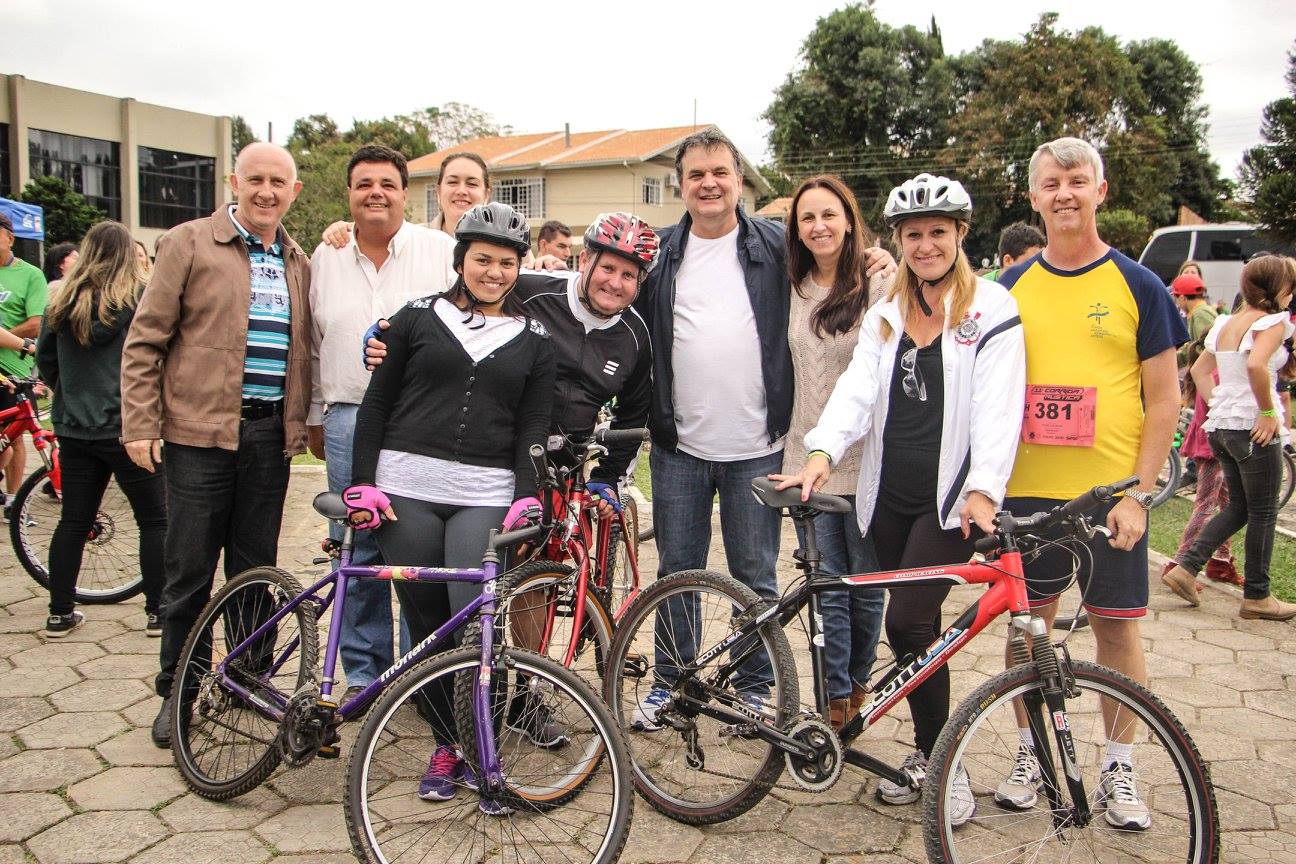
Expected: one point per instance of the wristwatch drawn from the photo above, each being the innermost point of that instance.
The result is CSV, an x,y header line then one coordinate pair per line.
x,y
29,346
1144,499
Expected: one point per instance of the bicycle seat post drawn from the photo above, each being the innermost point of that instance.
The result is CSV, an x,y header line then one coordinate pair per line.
x,y
807,555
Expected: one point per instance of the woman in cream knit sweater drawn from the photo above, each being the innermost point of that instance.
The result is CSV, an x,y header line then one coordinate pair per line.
x,y
826,240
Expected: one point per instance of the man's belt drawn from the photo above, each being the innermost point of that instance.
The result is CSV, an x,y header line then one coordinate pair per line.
x,y
258,409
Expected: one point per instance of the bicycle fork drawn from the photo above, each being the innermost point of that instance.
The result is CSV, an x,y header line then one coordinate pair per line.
x,y
1050,702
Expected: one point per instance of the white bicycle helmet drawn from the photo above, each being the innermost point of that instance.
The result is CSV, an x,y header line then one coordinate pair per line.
x,y
926,195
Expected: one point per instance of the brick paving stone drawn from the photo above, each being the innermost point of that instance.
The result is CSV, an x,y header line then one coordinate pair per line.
x,y
134,748
323,781
29,813
81,729
92,838
655,839
1265,781
765,816
110,695
1278,702
1237,640
1239,813
1199,694
55,654
91,631
141,714
842,828
8,747
28,623
25,682
207,847
127,789
306,828
46,770
131,642
12,855
772,847
140,666
1239,676
330,858
195,813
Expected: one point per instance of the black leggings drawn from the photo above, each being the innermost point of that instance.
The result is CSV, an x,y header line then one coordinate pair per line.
x,y
436,535
913,619
87,466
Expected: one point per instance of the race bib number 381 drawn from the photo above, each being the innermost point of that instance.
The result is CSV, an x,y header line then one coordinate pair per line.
x,y
1061,416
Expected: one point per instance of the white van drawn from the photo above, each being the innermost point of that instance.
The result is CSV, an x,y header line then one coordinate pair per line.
x,y
1221,248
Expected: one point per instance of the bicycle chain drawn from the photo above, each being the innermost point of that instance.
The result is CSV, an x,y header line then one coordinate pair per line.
x,y
789,787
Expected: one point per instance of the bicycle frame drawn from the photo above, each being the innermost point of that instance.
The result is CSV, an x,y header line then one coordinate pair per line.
x,y
337,581
22,418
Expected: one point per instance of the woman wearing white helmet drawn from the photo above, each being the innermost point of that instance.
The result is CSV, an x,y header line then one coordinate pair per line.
x,y
932,390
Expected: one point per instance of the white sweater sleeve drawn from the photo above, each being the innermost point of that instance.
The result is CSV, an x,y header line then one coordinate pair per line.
x,y
849,412
998,400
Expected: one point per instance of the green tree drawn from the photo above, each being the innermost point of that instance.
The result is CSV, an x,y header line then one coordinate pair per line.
x,y
241,134
310,132
68,216
1125,230
867,101
323,198
1268,170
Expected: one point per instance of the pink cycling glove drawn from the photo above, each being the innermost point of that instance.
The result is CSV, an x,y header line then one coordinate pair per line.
x,y
365,505
524,512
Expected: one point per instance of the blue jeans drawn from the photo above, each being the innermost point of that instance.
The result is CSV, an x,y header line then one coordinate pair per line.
x,y
365,643
683,489
852,619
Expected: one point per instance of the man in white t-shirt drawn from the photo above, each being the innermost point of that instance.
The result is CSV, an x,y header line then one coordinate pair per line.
x,y
386,262
717,309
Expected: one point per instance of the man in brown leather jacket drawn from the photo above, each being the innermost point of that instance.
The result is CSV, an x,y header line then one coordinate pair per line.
x,y
217,365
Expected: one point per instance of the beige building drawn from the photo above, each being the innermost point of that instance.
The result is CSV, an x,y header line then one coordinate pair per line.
x,y
575,176
148,166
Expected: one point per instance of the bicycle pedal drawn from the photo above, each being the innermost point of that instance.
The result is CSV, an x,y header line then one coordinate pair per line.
x,y
329,751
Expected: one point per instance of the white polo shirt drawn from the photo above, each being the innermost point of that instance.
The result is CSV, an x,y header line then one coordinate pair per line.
x,y
348,293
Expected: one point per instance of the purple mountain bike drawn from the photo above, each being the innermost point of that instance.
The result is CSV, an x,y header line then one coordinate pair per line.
x,y
444,767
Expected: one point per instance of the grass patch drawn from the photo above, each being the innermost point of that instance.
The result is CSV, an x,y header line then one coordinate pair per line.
x,y
306,459
642,474
1166,531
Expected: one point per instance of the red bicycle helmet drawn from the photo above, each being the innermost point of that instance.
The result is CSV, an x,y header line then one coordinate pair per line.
x,y
624,235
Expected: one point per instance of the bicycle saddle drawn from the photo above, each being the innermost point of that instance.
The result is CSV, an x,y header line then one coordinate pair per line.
x,y
330,506
763,489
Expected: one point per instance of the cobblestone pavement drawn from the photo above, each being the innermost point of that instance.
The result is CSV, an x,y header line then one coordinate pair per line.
x,y
81,782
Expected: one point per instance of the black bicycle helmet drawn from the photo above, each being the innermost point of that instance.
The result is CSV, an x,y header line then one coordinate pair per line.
x,y
493,223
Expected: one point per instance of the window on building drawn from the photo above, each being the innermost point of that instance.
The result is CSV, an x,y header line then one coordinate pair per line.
x,y
89,165
652,191
525,195
5,190
175,187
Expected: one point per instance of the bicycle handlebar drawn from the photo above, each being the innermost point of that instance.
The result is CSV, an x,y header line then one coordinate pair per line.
x,y
1075,507
614,436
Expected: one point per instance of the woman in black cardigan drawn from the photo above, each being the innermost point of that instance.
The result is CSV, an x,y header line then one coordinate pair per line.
x,y
79,356
443,438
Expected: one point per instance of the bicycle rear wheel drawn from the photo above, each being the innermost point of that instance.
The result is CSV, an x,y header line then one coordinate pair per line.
x,y
618,581
110,570
1167,481
568,805
981,734
694,768
223,745
1288,478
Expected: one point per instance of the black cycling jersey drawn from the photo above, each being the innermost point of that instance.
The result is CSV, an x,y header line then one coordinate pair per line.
x,y
593,367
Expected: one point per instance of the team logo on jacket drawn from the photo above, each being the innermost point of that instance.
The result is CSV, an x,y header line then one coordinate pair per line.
x,y
969,330
610,367
538,328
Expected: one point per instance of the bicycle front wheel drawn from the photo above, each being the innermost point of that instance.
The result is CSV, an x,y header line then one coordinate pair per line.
x,y
110,570
690,766
1167,481
1288,478
567,804
1170,779
223,745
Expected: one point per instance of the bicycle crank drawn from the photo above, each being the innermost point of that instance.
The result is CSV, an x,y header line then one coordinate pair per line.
x,y
822,769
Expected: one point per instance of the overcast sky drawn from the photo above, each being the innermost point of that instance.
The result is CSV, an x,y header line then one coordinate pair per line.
x,y
536,66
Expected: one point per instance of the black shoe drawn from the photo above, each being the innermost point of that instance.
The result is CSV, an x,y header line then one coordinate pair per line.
x,y
58,626
529,715
162,726
153,627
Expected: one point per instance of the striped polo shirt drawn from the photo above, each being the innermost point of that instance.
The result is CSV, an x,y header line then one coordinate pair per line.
x,y
265,364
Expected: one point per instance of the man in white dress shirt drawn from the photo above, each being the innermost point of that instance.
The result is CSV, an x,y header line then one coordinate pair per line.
x,y
386,263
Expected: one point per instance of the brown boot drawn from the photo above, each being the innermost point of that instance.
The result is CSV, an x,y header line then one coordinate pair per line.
x,y
859,695
838,712
1268,609
1182,583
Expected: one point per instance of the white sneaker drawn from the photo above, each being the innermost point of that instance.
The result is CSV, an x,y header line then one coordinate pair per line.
x,y
1118,790
962,804
645,715
1020,790
914,768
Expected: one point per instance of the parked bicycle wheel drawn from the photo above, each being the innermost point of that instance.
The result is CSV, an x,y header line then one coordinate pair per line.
x,y
1289,477
1168,480
692,767
619,581
110,570
1168,774
223,747
570,804
536,611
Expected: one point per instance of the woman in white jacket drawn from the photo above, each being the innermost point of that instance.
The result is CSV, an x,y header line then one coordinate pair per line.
x,y
935,389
